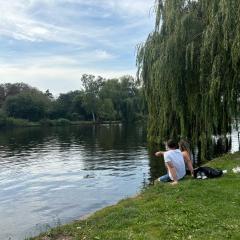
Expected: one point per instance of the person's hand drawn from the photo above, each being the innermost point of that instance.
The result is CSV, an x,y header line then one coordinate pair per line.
x,y
159,154
174,183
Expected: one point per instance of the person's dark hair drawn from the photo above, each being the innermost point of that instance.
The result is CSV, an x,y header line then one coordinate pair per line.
x,y
184,145
171,143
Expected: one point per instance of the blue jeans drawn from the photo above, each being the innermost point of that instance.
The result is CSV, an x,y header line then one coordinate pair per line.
x,y
165,178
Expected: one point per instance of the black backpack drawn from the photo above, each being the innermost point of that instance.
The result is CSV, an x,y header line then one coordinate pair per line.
x,y
209,172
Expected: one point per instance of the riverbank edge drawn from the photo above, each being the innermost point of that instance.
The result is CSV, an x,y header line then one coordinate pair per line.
x,y
190,210
9,123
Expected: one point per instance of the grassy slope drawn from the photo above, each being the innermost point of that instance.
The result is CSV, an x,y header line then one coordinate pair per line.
x,y
195,209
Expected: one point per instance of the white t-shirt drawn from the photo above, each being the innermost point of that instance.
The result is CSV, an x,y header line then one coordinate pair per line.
x,y
176,157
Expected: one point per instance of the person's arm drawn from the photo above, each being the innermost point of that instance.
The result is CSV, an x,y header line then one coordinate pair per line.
x,y
188,162
173,172
159,154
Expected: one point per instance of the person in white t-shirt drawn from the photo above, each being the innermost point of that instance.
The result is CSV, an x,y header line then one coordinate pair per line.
x,y
174,163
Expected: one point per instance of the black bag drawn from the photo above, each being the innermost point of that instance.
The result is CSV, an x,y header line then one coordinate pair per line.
x,y
209,172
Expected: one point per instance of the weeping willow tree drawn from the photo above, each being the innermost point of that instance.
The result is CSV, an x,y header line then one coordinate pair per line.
x,y
190,68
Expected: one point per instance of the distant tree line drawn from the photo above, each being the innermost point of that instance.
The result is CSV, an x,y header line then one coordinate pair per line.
x,y
99,100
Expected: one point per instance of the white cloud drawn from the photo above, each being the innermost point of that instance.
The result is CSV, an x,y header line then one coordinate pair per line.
x,y
103,55
132,8
57,79
17,19
125,7
64,61
92,35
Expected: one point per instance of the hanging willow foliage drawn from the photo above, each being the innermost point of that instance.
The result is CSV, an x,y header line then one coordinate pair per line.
x,y
190,68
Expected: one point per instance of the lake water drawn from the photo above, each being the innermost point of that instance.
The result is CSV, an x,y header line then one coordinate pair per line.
x,y
50,176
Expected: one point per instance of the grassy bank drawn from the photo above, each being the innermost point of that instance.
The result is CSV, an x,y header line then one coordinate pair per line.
x,y
194,209
8,122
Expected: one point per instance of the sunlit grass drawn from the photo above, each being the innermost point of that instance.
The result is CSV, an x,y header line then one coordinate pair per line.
x,y
195,209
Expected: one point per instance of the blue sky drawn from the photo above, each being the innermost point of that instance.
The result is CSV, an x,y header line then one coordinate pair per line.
x,y
49,44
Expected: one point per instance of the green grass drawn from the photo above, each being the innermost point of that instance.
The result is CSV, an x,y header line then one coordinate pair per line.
x,y
9,122
194,209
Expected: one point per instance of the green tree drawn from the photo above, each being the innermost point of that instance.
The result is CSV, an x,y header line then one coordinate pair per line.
x,y
189,67
92,86
130,99
106,110
2,95
100,99
49,94
64,106
27,105
77,108
12,89
111,90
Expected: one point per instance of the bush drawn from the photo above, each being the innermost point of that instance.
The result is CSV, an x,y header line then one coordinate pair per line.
x,y
2,118
47,122
62,122
31,106
13,122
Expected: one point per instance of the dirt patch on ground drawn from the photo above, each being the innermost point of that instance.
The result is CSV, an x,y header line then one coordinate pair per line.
x,y
64,238
45,238
58,238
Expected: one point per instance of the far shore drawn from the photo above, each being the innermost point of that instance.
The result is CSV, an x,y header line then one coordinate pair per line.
x,y
21,123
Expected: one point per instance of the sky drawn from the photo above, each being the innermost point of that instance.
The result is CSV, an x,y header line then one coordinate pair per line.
x,y
49,44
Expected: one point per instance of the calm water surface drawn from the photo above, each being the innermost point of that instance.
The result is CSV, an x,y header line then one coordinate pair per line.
x,y
55,175
50,176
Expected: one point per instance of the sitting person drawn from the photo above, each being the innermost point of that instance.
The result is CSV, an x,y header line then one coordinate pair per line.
x,y
174,163
187,156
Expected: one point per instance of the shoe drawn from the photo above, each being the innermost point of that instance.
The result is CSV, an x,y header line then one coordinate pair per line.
x,y
199,175
203,175
236,170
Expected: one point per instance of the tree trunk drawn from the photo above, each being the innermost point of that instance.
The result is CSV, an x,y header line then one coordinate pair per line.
x,y
93,116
